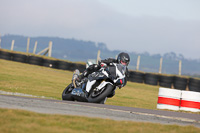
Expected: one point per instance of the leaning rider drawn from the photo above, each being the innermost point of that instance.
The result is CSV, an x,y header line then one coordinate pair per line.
x,y
123,59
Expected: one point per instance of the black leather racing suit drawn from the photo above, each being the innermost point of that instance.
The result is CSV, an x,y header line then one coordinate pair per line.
x,y
95,67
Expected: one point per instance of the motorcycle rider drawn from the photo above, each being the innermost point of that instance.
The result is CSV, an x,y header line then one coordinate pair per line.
x,y
123,59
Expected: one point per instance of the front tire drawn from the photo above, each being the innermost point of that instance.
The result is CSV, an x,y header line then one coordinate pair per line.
x,y
101,97
66,95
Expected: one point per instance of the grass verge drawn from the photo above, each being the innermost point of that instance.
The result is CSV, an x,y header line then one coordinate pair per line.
x,y
19,121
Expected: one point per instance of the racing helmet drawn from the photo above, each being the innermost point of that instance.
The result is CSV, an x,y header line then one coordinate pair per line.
x,y
123,58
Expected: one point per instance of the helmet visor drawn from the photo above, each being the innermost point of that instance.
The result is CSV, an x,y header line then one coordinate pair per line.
x,y
124,63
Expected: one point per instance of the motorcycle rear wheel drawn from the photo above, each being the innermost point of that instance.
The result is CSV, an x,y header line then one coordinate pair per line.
x,y
66,95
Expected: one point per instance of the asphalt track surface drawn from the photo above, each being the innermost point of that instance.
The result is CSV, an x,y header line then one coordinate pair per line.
x,y
104,111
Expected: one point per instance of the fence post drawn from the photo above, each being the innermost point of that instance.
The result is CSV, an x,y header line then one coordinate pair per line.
x,y
50,48
12,45
47,50
160,68
0,41
28,42
98,56
35,47
138,63
180,65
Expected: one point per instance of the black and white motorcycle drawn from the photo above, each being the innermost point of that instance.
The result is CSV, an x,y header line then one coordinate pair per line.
x,y
98,86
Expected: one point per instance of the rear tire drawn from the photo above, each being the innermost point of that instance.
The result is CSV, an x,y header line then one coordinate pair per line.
x,y
98,99
103,101
66,95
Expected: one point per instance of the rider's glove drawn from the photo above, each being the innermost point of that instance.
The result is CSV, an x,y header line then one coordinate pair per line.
x,y
120,86
120,83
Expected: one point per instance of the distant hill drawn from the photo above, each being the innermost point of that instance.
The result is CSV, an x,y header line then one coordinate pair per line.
x,y
79,50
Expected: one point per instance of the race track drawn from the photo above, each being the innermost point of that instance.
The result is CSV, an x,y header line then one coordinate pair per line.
x,y
98,110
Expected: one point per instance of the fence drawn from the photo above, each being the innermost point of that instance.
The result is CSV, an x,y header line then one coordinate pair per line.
x,y
44,51
160,67
49,51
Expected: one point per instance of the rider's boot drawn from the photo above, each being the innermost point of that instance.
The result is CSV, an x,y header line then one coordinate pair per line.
x,y
88,71
75,79
81,77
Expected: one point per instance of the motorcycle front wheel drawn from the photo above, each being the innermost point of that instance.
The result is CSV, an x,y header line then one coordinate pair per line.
x,y
66,95
100,96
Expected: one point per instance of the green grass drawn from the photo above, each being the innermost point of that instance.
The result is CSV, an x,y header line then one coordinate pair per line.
x,y
19,121
136,95
32,79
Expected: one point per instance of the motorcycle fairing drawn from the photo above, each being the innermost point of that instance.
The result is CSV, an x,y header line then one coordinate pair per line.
x,y
102,74
89,85
79,95
102,85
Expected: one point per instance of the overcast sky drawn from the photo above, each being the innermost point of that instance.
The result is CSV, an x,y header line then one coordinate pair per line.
x,y
154,26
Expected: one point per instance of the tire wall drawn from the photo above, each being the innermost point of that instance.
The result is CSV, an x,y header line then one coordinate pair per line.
x,y
19,57
151,79
166,81
5,55
135,76
194,84
39,60
163,80
50,63
35,60
180,83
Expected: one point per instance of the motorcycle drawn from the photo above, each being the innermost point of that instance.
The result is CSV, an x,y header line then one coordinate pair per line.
x,y
98,86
